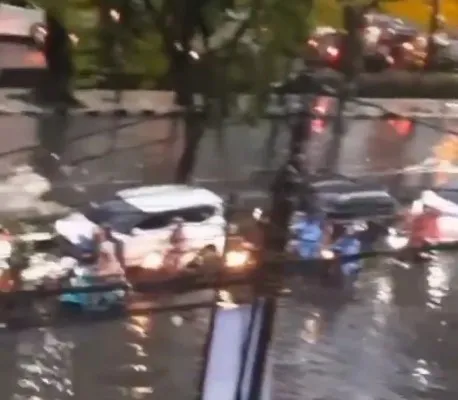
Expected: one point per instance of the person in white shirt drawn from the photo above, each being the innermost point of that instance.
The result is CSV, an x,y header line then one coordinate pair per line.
x,y
109,253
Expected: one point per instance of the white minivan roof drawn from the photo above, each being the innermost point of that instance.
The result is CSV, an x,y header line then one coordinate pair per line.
x,y
160,198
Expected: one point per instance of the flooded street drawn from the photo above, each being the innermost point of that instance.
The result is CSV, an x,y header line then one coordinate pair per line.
x,y
394,339
141,357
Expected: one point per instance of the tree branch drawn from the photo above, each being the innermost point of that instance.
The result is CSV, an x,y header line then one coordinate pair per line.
x,y
159,17
254,7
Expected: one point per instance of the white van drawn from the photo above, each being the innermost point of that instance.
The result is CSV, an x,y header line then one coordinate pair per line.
x,y
141,219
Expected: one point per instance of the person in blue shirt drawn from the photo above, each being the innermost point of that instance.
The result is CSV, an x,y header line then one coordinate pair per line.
x,y
310,235
349,244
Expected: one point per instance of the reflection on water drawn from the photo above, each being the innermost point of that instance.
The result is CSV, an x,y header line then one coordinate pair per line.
x,y
142,357
140,327
312,328
44,366
395,339
438,278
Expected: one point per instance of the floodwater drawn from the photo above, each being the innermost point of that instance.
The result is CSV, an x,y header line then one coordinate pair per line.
x,y
394,338
140,357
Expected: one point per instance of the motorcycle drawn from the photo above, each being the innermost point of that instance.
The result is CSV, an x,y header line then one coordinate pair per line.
x,y
84,274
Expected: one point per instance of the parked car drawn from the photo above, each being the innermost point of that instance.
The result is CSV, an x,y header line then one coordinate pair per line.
x,y
141,219
21,18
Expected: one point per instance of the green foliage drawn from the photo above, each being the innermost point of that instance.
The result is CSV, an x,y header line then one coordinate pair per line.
x,y
272,36
143,56
274,40
329,13
140,43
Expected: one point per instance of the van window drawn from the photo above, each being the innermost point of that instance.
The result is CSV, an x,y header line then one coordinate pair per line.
x,y
162,220
117,213
448,194
197,214
155,221
19,3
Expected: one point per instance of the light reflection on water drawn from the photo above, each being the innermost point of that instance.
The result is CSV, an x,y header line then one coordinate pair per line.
x,y
44,365
395,338
391,340
123,359
438,278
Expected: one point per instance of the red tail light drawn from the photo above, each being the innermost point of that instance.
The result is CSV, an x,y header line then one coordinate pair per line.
x,y
333,52
403,127
318,126
321,107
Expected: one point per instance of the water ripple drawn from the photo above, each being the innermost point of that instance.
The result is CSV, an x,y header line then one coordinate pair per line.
x,y
393,340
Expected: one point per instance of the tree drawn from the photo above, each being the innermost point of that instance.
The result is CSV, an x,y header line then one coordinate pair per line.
x,y
352,66
105,40
203,46
212,43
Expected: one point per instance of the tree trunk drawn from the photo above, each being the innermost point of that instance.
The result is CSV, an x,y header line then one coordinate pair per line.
x,y
182,66
338,130
352,65
352,51
194,131
433,28
57,50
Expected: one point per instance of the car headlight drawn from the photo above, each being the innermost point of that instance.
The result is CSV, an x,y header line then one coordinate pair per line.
x,y
34,274
237,259
327,254
153,261
257,214
396,241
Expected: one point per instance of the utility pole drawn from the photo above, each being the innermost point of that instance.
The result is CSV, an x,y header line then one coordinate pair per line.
x,y
291,182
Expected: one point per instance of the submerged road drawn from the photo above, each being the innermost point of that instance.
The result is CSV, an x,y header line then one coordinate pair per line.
x,y
392,339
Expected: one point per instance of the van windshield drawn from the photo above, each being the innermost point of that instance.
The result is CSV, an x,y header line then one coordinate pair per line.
x,y
117,213
448,194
